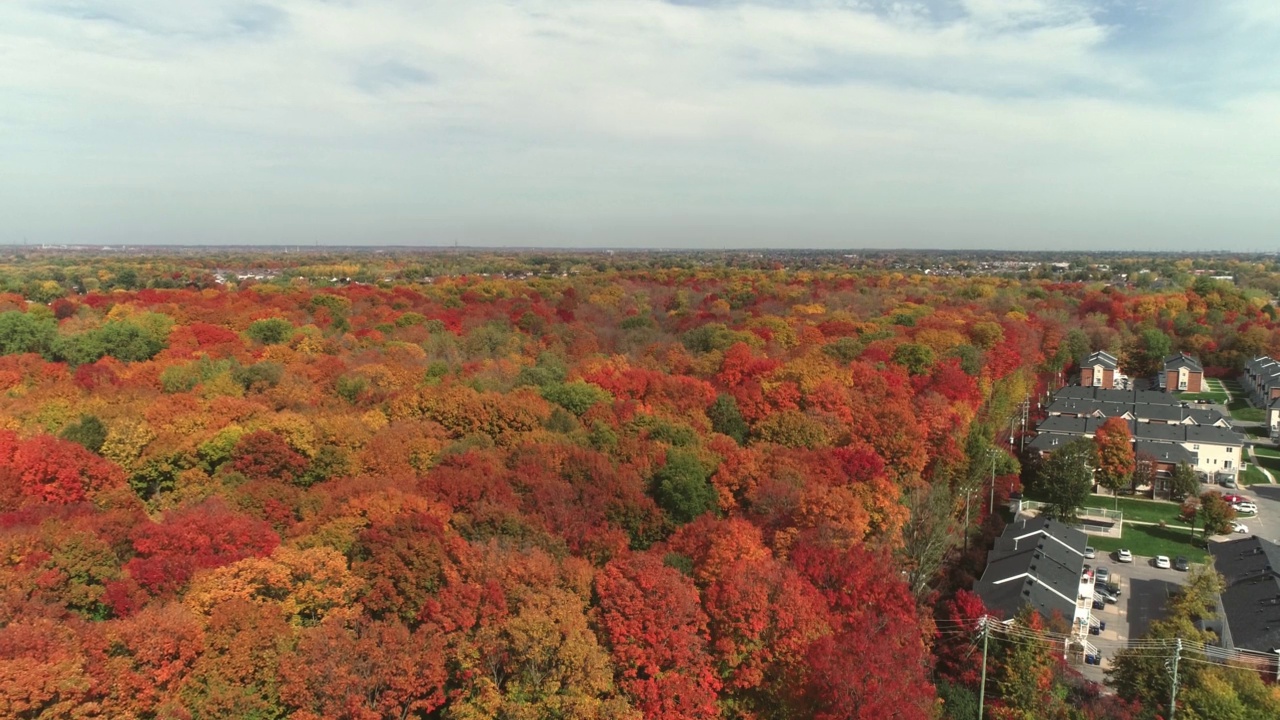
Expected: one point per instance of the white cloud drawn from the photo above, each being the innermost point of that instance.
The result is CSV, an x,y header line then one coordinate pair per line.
x,y
614,115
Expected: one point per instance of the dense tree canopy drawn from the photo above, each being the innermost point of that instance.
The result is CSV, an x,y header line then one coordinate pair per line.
x,y
543,485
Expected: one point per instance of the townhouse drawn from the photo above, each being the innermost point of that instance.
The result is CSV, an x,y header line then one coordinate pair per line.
x,y
1039,563
1261,379
1163,428
1181,373
1100,370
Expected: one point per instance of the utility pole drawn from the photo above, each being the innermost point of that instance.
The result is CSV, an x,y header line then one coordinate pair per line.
x,y
967,494
991,504
982,688
1173,694
1026,410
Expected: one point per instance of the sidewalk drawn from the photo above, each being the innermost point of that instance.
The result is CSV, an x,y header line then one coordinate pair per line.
x,y
1253,458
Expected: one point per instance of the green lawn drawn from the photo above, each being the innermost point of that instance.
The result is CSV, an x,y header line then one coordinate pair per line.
x,y
1242,410
1257,431
1269,462
1148,541
1261,451
1144,510
1253,476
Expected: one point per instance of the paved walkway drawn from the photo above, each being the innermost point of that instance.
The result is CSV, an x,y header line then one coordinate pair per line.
x,y
1253,458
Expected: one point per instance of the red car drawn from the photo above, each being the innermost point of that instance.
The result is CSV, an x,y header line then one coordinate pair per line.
x,y
1233,499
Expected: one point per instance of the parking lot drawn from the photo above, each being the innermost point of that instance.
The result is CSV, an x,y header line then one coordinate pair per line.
x,y
1144,590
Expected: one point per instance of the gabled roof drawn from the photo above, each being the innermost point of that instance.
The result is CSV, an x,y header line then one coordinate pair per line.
x,y
1160,431
1251,600
1181,360
1102,358
1063,424
1165,452
1035,562
1213,435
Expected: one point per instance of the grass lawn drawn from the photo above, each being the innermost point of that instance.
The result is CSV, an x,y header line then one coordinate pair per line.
x,y
1269,462
1144,510
1148,541
1242,410
1253,476
1266,451
1253,431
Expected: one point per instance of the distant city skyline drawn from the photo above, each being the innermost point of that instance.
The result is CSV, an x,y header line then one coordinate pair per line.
x,y
949,124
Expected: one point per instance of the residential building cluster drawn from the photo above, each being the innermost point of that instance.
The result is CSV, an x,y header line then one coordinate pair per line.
x,y
1262,381
1163,428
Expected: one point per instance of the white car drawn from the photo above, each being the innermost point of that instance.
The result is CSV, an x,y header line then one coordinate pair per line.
x,y
1240,528
1162,562
1123,555
1246,507
1090,553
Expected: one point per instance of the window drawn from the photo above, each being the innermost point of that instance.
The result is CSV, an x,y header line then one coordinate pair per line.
x,y
1227,464
1182,384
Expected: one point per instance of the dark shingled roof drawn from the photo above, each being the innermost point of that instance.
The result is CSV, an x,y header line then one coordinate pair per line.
x,y
1035,562
1100,357
1251,601
1163,412
1165,452
1173,362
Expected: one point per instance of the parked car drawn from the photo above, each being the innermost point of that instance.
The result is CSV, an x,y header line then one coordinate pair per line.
x,y
1123,555
1180,563
1246,507
1162,562
1113,587
1101,575
1232,498
1239,527
1090,553
1107,595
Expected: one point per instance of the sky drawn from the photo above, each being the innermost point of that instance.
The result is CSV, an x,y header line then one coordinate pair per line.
x,y
1010,124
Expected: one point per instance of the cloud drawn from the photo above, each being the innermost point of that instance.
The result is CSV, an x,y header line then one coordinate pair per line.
x,y
928,122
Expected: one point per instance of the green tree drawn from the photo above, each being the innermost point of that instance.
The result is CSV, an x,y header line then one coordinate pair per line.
x,y
88,431
917,359
271,331
577,397
1146,353
1216,515
129,342
1183,482
1065,479
25,333
727,419
682,487
80,349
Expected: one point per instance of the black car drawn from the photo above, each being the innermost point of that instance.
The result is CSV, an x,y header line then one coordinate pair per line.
x,y
1180,563
1112,588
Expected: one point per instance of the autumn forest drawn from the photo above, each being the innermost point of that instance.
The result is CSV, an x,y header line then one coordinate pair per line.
x,y
519,486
